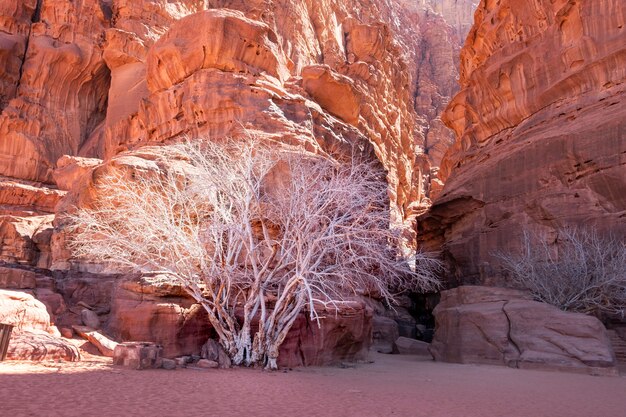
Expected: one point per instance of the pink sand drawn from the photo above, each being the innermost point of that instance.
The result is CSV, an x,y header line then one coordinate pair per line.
x,y
392,386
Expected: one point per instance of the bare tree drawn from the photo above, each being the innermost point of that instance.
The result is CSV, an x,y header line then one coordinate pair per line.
x,y
583,272
254,234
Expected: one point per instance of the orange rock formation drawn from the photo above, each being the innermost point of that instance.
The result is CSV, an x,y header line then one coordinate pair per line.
x,y
85,82
540,124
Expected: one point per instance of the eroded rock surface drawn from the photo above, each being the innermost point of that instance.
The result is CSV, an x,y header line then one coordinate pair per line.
x,y
540,132
505,327
33,337
82,81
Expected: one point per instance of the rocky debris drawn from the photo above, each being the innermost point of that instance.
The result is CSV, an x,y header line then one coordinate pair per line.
x,y
90,318
504,327
138,355
407,346
539,142
384,334
105,345
38,345
213,351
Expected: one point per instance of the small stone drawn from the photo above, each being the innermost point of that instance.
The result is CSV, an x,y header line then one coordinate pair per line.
x,y
66,332
168,364
205,363
90,319
183,360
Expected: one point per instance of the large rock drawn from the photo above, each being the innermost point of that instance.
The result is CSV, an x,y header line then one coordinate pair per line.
x,y
150,309
539,127
25,312
384,333
105,345
37,345
33,337
505,327
343,335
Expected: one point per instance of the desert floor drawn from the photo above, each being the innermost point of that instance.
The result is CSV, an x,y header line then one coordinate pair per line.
x,y
393,385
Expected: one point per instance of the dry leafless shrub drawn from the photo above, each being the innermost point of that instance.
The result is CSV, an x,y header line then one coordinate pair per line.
x,y
584,272
255,235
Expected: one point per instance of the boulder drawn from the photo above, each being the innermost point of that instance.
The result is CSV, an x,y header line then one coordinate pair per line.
x,y
33,337
207,364
213,351
24,312
505,327
38,345
384,334
406,346
168,364
105,345
138,355
90,318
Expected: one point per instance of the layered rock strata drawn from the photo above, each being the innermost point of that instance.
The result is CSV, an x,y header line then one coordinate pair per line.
x,y
82,81
541,132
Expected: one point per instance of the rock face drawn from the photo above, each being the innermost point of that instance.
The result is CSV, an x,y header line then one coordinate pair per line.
x,y
504,327
33,337
149,310
540,127
343,335
82,81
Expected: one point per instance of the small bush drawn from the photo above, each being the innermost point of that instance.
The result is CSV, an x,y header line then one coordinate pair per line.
x,y
583,272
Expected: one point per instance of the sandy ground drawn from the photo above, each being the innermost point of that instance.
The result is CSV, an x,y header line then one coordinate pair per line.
x,y
393,385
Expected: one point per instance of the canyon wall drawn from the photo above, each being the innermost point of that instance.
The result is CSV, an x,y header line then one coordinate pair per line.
x,y
92,79
94,83
540,125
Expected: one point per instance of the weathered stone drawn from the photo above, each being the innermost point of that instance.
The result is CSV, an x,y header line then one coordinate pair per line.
x,y
13,278
539,128
504,327
149,309
406,346
207,364
138,355
105,345
384,334
25,312
66,332
38,345
90,318
168,364
343,335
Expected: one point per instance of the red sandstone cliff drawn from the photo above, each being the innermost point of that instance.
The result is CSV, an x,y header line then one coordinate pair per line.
x,y
93,78
90,82
540,126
